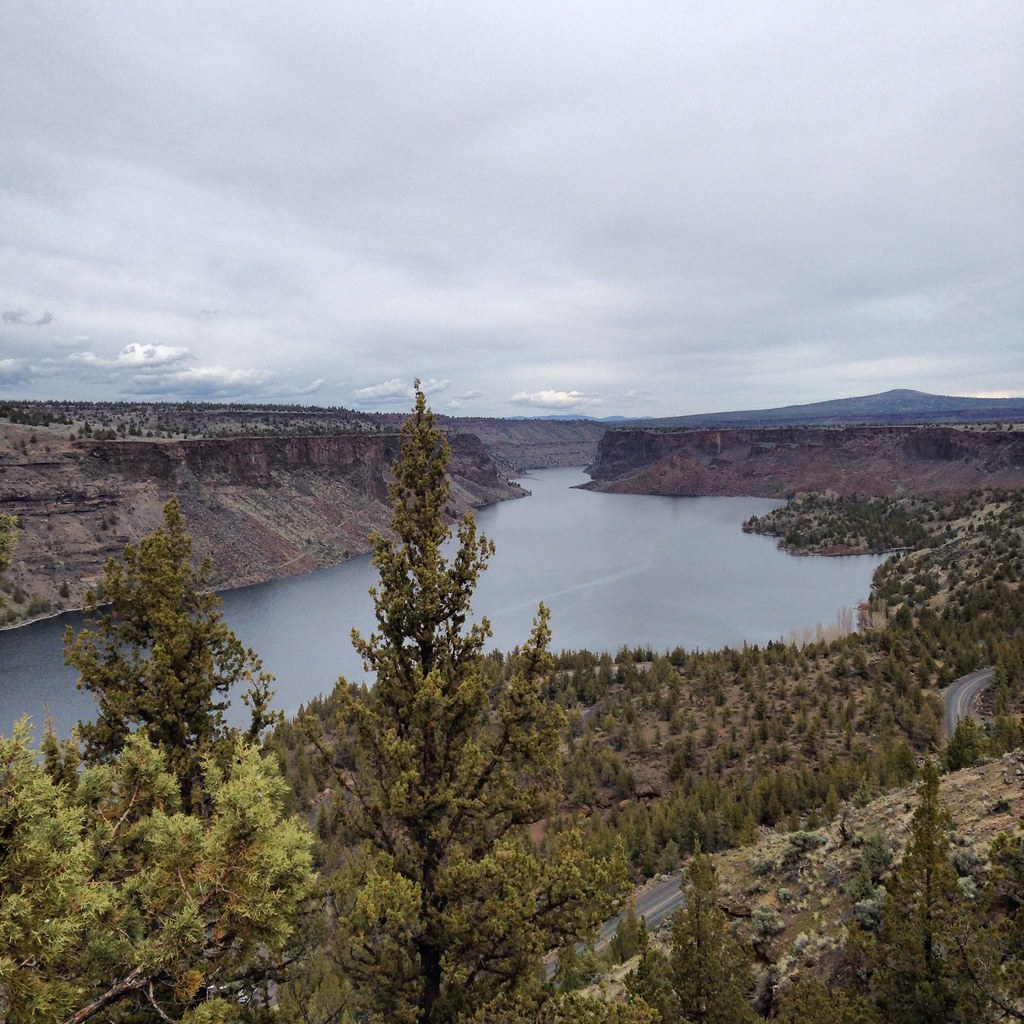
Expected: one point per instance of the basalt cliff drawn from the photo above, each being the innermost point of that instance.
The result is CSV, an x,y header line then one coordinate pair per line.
x,y
261,508
780,462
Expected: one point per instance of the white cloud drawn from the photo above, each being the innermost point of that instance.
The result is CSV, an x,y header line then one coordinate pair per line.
x,y
21,317
554,399
13,371
207,381
396,391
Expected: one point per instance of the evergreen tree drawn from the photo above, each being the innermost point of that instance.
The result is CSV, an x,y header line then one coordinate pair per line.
x,y
158,657
965,745
1007,896
648,984
625,943
710,969
808,1001
115,905
445,907
930,951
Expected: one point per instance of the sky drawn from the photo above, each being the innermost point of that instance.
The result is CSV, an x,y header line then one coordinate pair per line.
x,y
634,208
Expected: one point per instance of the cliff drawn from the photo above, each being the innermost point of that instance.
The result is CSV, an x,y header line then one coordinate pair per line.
x,y
533,443
261,508
779,462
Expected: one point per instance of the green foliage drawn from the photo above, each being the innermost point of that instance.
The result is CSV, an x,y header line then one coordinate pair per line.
x,y
648,984
445,906
708,969
926,962
8,537
158,657
625,943
808,1001
113,902
870,867
817,523
1006,893
965,746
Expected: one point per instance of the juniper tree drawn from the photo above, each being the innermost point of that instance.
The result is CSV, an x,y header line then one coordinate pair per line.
x,y
116,905
965,746
445,906
710,970
158,657
930,956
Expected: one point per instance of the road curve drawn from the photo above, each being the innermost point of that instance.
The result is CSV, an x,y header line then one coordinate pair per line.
x,y
961,694
664,898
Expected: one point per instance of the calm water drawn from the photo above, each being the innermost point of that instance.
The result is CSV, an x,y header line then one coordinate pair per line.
x,y
614,569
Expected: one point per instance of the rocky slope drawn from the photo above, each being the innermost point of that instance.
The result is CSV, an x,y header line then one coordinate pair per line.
x,y
802,888
533,444
262,508
779,462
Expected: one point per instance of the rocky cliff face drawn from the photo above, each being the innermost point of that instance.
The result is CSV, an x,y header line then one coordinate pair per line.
x,y
261,508
533,444
778,462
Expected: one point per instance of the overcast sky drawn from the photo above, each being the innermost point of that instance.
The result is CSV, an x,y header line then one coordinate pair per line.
x,y
634,208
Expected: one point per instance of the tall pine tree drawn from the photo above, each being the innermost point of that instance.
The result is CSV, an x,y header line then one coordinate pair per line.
x,y
446,907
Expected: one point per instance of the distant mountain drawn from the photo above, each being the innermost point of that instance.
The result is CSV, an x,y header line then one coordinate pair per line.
x,y
897,406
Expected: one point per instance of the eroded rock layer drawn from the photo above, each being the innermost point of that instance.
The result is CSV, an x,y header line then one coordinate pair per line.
x,y
779,462
262,508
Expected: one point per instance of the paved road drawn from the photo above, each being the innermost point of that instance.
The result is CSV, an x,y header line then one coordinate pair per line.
x,y
664,898
960,696
654,905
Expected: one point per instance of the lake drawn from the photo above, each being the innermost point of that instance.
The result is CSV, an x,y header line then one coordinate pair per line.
x,y
614,569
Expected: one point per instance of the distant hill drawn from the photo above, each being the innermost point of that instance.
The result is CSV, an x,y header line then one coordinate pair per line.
x,y
896,406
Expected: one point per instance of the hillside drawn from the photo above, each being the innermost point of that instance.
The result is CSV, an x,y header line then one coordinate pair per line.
x,y
780,462
792,894
260,507
899,406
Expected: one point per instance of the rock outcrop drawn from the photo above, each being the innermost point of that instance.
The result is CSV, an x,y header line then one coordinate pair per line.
x,y
779,462
533,443
261,508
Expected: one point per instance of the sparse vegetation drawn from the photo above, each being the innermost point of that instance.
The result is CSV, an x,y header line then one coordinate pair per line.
x,y
676,759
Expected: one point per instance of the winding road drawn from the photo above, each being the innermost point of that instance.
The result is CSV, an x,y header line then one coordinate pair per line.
x,y
960,696
663,898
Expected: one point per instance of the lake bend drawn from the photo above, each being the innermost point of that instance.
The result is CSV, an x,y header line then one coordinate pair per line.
x,y
616,570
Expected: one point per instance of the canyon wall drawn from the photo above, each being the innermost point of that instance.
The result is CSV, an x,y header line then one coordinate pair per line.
x,y
261,508
779,462
531,443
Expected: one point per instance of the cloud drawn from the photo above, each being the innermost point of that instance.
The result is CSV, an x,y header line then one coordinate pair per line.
x,y
21,316
672,207
89,358
554,399
14,371
396,391
151,355
205,381
309,389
